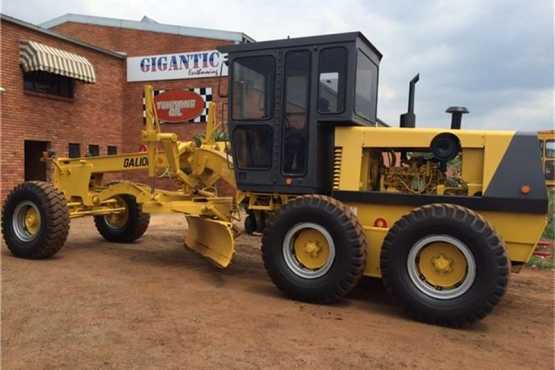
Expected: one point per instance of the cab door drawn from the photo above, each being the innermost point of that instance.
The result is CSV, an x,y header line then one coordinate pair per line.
x,y
296,97
254,120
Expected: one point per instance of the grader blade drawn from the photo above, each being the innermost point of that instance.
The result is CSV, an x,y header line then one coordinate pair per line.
x,y
211,238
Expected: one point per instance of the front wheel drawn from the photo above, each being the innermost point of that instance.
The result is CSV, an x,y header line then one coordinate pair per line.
x,y
444,264
35,220
126,226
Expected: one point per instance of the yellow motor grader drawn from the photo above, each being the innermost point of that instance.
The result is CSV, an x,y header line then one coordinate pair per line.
x,y
440,215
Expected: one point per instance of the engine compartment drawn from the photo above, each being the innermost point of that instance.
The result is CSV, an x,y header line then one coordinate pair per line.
x,y
414,172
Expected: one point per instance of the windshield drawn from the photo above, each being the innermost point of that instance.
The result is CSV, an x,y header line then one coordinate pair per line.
x,y
252,88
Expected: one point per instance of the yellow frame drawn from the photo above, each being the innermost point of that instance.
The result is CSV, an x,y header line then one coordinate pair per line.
x,y
80,179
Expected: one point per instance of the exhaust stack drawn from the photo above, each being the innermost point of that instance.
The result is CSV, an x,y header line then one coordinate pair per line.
x,y
456,116
409,119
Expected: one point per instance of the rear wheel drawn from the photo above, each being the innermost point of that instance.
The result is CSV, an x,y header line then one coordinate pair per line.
x,y
314,249
125,226
444,264
35,220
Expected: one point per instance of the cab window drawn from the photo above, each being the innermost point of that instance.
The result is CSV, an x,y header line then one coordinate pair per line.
x,y
366,87
549,169
295,140
332,78
252,83
550,149
253,146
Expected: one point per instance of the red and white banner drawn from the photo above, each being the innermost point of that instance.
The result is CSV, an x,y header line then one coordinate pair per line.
x,y
178,105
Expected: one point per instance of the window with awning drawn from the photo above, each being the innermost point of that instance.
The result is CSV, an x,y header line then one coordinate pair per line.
x,y
37,57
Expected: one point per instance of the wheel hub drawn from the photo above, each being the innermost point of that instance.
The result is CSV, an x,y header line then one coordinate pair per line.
x,y
118,220
311,248
308,250
31,220
442,264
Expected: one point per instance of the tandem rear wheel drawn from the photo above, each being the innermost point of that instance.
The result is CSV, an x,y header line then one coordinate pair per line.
x,y
314,249
444,264
35,220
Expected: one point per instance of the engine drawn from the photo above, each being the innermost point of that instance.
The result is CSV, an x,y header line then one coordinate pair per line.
x,y
419,173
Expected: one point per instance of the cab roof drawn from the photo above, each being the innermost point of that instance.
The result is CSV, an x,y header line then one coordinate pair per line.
x,y
302,41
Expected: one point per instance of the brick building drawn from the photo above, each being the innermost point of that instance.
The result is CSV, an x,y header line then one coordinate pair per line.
x,y
57,108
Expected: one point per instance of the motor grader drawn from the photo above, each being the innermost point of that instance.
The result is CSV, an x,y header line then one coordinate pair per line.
x,y
440,215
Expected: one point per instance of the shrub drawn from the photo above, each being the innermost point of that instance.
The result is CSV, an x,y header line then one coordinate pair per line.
x,y
549,232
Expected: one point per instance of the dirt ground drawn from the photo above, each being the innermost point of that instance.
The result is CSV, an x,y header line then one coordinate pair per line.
x,y
155,305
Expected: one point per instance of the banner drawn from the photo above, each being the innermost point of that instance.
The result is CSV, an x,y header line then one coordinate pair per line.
x,y
197,64
186,111
178,105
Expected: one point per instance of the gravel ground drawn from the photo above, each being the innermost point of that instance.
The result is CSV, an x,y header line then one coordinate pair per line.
x,y
155,305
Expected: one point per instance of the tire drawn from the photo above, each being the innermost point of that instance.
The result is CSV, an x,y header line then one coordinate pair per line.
x,y
35,220
326,220
475,261
132,227
250,224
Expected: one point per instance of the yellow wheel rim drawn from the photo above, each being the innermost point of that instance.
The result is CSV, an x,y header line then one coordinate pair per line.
x,y
118,220
311,249
308,250
26,221
442,265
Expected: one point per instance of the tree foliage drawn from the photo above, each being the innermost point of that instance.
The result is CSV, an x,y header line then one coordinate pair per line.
x,y
549,232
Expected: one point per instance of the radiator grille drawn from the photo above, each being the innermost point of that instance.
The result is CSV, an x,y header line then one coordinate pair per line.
x,y
337,157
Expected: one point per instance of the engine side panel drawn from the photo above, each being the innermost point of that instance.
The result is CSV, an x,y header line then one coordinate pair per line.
x,y
521,165
520,233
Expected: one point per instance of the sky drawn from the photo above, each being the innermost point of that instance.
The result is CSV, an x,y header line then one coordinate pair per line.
x,y
494,57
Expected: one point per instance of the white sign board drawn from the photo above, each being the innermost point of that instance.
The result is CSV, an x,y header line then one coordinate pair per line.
x,y
197,64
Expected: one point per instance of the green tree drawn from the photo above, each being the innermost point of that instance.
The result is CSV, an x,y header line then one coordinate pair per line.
x,y
549,232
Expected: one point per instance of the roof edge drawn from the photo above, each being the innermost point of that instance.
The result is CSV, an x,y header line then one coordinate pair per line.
x,y
237,37
19,22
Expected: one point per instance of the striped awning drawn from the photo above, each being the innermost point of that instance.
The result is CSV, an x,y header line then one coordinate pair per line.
x,y
39,57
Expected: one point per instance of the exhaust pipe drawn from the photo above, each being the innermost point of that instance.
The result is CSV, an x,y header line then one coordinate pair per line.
x,y
409,119
456,116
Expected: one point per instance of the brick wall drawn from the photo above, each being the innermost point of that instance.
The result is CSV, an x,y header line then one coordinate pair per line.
x,y
138,43
109,112
94,116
